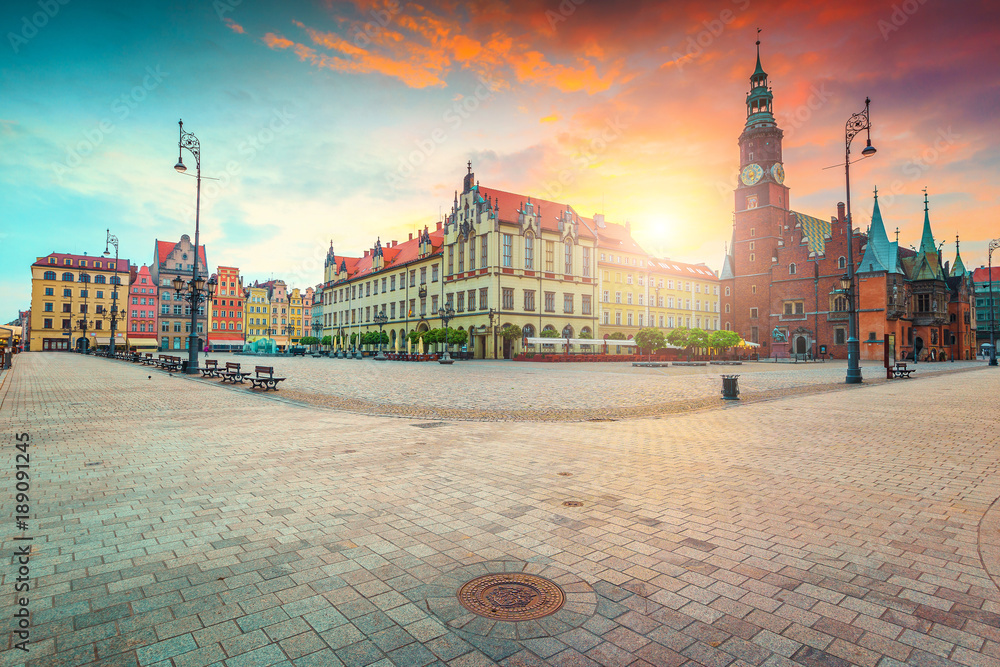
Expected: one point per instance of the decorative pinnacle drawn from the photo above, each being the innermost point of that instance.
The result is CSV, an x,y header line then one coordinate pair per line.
x,y
876,192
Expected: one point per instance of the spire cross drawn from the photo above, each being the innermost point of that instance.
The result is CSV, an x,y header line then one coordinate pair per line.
x,y
925,198
956,244
470,166
876,192
897,235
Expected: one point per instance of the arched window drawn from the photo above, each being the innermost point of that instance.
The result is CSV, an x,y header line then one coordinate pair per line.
x,y
727,291
529,251
727,327
584,332
84,277
727,307
840,304
99,280
791,269
528,331
67,277
841,263
567,331
50,275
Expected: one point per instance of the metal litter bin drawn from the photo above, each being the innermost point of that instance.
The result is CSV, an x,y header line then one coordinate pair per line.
x,y
731,387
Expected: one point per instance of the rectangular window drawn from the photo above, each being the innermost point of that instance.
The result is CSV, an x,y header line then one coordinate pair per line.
x,y
628,279
630,318
753,314
550,302
47,323
413,278
607,317
618,297
434,304
567,302
606,296
550,259
586,262
472,254
628,297
413,304
508,297
460,307
661,321
529,299
461,256
484,294
392,311
585,304
392,284
434,276
472,296
839,336
529,250
484,256
423,275
568,259
618,317
508,253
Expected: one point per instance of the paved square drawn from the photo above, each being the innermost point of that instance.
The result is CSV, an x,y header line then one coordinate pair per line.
x,y
179,523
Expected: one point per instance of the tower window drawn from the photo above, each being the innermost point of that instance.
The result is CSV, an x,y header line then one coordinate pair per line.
x,y
753,289
751,257
753,232
791,269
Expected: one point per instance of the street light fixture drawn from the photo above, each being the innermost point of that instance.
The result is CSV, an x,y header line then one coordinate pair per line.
x,y
494,319
994,244
190,142
380,320
446,314
112,240
855,125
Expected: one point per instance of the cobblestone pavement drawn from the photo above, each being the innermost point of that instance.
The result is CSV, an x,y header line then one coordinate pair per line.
x,y
178,524
518,391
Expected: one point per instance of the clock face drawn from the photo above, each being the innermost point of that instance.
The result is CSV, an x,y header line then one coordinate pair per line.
x,y
778,172
751,174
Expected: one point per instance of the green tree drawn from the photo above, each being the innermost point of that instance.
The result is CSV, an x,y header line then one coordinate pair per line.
x,y
723,340
649,339
326,341
511,332
616,335
549,333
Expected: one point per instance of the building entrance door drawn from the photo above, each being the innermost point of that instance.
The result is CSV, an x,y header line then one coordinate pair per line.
x,y
506,348
918,345
800,345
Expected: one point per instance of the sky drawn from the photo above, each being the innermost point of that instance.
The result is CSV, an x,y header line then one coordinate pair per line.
x,y
351,121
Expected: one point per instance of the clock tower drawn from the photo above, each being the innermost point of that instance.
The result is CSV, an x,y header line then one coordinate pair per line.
x,y
760,214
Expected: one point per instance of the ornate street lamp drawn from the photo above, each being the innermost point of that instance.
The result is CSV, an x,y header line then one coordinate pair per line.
x,y
494,320
994,244
855,125
380,320
446,314
190,142
112,240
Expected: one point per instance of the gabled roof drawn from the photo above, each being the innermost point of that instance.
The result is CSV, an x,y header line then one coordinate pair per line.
x,y
727,269
981,276
509,204
164,248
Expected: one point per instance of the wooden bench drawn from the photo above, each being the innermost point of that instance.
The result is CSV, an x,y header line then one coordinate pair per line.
x,y
264,377
172,364
901,371
233,373
211,368
148,359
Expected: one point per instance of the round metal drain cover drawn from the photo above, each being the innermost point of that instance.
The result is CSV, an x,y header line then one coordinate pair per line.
x,y
511,596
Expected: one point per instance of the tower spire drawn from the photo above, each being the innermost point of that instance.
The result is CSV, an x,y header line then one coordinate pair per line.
x,y
759,99
927,244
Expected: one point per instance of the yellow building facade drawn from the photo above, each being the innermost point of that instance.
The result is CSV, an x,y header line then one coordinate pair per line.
x,y
257,313
498,258
71,301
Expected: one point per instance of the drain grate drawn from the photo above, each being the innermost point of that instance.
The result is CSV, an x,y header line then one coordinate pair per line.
x,y
573,503
350,451
602,419
429,425
94,463
565,474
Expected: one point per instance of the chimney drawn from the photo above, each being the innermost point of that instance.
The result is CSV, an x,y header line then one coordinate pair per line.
x,y
841,215
439,225
394,244
411,236
366,252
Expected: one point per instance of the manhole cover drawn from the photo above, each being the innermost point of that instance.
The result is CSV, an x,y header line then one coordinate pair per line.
x,y
573,503
511,596
565,474
94,463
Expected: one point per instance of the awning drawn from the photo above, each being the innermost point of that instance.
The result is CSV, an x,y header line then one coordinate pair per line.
x,y
143,344
106,340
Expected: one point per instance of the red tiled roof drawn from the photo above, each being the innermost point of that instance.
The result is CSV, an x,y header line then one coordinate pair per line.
x,y
106,264
982,275
616,237
681,269
392,257
164,248
510,203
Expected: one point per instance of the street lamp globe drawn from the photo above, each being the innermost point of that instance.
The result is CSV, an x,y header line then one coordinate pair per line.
x,y
180,166
178,283
868,150
845,282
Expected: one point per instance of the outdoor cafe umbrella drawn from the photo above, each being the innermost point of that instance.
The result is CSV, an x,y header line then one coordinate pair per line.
x,y
409,345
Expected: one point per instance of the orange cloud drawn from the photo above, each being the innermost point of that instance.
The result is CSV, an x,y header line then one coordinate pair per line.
x,y
234,26
276,42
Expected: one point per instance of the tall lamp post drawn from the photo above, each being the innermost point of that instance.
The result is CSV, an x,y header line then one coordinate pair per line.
x,y
196,291
446,314
858,123
494,318
994,244
190,142
380,320
112,240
